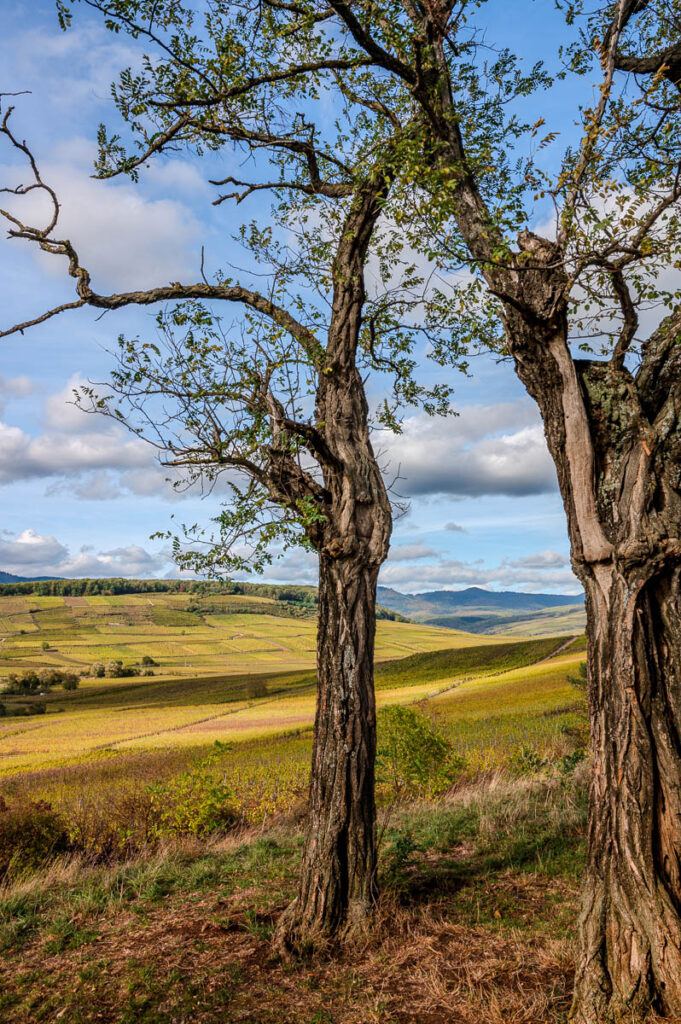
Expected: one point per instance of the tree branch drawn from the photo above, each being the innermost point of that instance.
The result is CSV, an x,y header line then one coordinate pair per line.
x,y
367,43
630,315
330,189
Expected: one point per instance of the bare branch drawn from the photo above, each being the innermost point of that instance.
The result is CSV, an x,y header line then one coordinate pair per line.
x,y
330,189
167,293
20,328
24,189
624,11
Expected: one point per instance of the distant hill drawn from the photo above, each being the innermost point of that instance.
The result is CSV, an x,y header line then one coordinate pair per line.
x,y
488,611
8,577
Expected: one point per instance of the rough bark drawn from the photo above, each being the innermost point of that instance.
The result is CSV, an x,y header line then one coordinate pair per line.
x,y
337,888
630,928
615,439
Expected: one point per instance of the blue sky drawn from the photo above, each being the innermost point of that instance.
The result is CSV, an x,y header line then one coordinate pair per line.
x,y
81,497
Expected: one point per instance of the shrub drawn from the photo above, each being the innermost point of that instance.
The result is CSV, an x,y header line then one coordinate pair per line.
x,y
413,754
117,670
526,760
70,681
30,836
45,645
399,859
147,661
97,670
198,802
570,761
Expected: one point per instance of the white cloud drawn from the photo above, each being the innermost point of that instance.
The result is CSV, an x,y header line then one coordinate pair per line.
x,y
32,554
85,455
30,550
496,449
125,240
60,454
60,413
541,560
411,552
455,528
71,66
13,387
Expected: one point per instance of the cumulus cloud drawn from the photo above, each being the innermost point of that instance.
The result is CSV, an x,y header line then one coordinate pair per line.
x,y
541,560
497,449
14,387
61,454
32,554
455,528
127,241
84,455
411,552
60,412
30,550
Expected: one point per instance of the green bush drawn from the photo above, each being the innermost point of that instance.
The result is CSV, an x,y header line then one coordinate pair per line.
x,y
196,803
413,754
526,760
97,670
30,836
570,761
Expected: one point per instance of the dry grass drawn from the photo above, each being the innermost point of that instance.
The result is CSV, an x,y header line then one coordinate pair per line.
x,y
182,935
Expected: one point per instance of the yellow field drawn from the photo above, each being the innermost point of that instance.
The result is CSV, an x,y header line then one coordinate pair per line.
x,y
221,675
84,630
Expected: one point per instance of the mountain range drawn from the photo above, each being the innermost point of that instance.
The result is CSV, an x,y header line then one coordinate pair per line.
x,y
8,577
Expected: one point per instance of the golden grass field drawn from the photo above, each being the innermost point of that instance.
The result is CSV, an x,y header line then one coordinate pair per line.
x,y
246,678
224,675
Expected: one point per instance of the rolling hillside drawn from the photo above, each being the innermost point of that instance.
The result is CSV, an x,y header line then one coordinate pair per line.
x,y
490,612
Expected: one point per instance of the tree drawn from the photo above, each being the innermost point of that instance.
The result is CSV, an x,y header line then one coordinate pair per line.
x,y
276,401
567,311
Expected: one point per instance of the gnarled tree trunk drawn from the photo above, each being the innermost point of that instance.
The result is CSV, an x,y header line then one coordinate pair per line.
x,y
616,440
338,884
630,927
